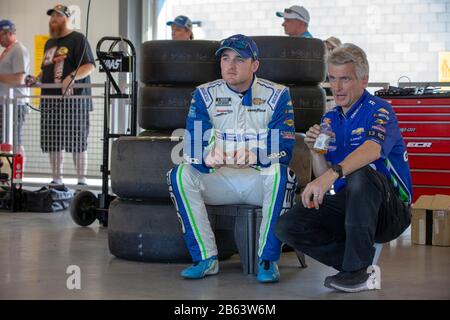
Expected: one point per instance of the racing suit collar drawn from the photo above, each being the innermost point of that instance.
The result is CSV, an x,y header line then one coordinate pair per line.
x,y
354,107
247,99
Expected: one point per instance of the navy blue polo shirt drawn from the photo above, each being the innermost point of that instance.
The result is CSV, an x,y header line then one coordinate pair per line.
x,y
371,118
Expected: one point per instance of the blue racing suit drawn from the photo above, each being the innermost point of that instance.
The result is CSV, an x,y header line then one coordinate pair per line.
x,y
371,118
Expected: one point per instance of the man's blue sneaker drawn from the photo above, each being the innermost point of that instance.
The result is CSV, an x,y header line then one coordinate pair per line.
x,y
268,271
202,268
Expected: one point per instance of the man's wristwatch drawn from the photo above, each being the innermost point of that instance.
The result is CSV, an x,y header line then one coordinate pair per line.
x,y
338,169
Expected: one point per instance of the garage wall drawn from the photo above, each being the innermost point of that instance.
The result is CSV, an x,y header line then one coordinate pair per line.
x,y
31,19
401,37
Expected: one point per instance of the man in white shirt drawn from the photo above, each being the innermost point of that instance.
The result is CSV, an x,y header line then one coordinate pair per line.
x,y
14,65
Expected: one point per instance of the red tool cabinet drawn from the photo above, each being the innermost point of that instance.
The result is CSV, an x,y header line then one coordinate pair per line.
x,y
425,126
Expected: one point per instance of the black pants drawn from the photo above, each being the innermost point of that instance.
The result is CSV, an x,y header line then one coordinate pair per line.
x,y
343,231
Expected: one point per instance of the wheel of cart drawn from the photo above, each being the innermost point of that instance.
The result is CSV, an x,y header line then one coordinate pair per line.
x,y
83,208
86,207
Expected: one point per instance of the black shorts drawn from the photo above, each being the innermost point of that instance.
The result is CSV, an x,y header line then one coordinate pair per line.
x,y
64,125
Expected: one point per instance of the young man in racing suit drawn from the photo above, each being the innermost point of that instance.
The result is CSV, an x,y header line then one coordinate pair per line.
x,y
238,143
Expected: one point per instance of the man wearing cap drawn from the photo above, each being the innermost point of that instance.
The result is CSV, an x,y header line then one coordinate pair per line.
x,y
238,143
14,65
181,28
65,122
296,21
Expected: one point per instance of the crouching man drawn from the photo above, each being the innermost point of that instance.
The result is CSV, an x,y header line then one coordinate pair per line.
x,y
362,192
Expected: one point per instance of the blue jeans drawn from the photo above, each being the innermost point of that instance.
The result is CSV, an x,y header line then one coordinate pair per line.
x,y
342,232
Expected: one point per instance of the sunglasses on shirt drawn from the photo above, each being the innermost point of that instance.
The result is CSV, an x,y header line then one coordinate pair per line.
x,y
293,11
239,44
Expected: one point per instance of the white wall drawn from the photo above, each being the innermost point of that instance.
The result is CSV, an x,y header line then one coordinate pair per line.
x,y
401,37
31,19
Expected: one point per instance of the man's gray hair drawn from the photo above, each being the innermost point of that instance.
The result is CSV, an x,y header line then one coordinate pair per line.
x,y
350,53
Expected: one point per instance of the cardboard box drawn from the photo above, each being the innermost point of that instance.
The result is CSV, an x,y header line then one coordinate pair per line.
x,y
430,223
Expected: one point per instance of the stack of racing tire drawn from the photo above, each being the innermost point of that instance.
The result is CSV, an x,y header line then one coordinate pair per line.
x,y
143,224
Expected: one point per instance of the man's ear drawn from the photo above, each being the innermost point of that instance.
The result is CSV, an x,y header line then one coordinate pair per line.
x,y
365,81
255,65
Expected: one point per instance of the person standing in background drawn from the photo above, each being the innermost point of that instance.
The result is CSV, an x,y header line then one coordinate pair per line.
x,y
331,44
14,65
181,28
296,21
68,59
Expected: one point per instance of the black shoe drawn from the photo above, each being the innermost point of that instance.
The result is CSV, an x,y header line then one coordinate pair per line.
x,y
329,279
82,184
353,281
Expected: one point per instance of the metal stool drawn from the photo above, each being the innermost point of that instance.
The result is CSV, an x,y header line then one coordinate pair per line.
x,y
244,222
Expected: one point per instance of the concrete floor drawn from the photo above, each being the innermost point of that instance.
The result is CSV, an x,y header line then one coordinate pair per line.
x,y
37,248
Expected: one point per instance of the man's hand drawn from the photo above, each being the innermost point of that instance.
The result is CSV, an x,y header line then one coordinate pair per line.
x,y
67,86
31,80
215,159
244,158
314,192
311,136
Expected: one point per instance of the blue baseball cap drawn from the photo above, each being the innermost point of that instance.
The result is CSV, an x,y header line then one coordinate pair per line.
x,y
244,46
7,25
181,21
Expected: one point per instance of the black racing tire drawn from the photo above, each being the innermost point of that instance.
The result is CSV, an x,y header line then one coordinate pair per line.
x,y
291,60
179,61
148,231
309,105
83,208
139,165
164,108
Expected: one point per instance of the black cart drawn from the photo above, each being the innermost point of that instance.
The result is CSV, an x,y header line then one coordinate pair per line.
x,y
86,207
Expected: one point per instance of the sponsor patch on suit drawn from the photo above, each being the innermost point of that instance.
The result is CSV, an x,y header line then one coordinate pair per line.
x,y
258,101
223,102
